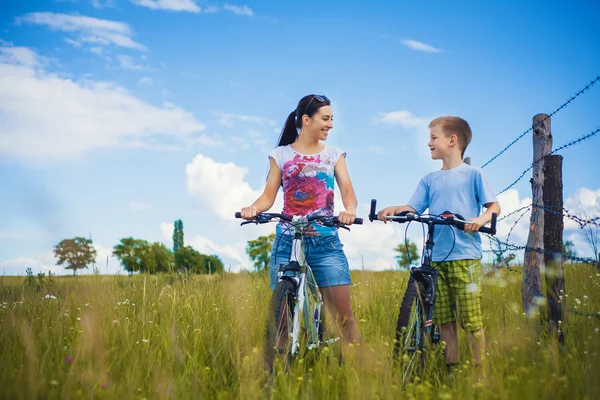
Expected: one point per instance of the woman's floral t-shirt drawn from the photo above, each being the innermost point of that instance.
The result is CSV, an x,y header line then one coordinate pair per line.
x,y
308,183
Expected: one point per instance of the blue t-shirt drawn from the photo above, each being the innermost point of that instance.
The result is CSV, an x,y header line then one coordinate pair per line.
x,y
462,190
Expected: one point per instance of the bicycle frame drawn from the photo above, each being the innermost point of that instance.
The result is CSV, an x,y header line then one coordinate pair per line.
x,y
308,302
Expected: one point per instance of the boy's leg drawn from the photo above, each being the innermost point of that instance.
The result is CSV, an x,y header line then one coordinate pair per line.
x,y
478,345
449,334
444,314
466,282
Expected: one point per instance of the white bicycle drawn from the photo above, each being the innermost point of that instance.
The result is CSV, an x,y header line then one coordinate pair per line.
x,y
296,319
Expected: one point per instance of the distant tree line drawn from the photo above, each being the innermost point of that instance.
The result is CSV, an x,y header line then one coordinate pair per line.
x,y
141,256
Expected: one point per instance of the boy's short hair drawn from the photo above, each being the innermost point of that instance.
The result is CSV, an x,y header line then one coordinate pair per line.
x,y
456,125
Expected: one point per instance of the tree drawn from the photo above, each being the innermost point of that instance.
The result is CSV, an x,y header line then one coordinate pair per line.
x,y
259,251
190,260
212,264
592,237
135,255
569,250
177,236
407,254
163,257
76,253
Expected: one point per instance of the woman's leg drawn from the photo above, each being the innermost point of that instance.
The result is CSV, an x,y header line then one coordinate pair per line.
x,y
337,301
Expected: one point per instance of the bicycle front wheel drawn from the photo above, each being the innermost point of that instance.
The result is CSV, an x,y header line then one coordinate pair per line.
x,y
280,324
410,336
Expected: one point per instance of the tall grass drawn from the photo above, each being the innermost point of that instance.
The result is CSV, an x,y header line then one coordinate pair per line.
x,y
161,337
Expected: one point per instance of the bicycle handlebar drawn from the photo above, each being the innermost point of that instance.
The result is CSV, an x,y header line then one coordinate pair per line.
x,y
262,218
446,218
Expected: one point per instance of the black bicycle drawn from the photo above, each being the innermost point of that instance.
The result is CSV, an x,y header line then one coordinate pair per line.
x,y
415,332
296,319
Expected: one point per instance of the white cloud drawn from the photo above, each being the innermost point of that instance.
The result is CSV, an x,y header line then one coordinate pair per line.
x,y
19,56
103,3
239,10
220,186
138,206
403,118
229,119
175,5
43,115
166,230
420,46
128,62
207,246
145,80
87,29
205,141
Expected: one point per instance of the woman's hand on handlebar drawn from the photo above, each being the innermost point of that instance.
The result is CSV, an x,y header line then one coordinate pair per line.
x,y
347,216
249,212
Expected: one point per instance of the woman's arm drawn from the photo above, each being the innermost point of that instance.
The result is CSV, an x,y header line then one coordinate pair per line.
x,y
266,200
347,191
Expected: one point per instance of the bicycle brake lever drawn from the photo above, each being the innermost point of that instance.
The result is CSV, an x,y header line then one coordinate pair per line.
x,y
248,222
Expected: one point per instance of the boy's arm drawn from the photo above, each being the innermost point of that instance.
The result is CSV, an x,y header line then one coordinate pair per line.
x,y
484,218
393,210
417,203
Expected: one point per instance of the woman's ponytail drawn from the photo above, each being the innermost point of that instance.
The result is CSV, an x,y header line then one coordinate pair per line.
x,y
289,134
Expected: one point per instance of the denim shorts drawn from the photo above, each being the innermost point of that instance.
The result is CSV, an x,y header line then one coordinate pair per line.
x,y
324,254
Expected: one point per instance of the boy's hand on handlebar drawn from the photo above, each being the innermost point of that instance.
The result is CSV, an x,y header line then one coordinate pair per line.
x,y
474,224
347,216
249,212
386,212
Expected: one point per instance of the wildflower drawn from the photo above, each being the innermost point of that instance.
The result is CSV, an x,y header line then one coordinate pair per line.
x,y
145,340
78,319
105,385
49,296
69,359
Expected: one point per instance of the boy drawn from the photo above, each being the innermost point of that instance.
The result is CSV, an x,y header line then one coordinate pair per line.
x,y
462,189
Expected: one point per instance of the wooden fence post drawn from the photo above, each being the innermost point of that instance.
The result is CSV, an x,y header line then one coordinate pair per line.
x,y
553,241
542,145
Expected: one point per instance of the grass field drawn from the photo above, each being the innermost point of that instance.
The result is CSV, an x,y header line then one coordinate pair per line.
x,y
155,337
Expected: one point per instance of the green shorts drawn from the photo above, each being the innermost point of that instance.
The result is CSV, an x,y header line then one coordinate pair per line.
x,y
458,294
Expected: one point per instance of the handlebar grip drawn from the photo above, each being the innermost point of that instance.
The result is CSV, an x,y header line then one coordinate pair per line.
x,y
358,221
238,214
492,229
372,212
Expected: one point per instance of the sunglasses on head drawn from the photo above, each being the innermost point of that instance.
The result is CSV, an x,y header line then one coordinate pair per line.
x,y
320,98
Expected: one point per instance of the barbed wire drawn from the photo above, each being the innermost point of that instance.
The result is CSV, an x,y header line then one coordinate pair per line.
x,y
514,212
537,292
570,100
564,146
565,213
516,223
514,247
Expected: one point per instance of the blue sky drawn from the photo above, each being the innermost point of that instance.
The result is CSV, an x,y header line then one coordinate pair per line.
x,y
118,117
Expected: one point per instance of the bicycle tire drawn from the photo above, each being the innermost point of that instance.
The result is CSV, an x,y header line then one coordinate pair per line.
x,y
410,332
280,311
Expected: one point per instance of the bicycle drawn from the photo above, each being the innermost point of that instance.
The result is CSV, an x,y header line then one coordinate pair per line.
x,y
295,318
415,332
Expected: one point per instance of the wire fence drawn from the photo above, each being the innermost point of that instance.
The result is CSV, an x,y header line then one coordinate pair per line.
x,y
499,248
565,104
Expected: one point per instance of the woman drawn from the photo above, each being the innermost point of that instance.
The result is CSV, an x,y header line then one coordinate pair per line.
x,y
306,169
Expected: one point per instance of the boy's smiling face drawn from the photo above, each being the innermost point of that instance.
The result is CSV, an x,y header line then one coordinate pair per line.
x,y
439,144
